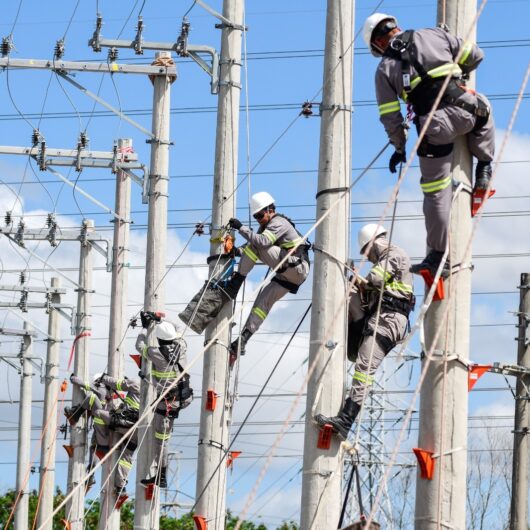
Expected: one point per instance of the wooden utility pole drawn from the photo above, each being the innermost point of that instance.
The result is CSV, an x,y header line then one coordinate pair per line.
x,y
146,513
109,518
214,424
75,507
441,502
49,414
24,432
322,469
519,505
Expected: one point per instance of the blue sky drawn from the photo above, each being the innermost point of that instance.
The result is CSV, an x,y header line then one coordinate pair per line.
x,y
283,80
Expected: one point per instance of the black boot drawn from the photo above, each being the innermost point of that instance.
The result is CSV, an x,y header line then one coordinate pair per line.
x,y
160,479
483,173
234,284
431,262
342,423
235,346
73,414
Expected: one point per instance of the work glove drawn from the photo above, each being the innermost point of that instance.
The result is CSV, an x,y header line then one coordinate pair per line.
x,y
72,375
396,159
145,318
235,223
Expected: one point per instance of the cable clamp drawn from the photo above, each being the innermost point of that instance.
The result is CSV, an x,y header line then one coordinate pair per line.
x,y
464,186
522,431
159,177
230,83
231,25
332,108
332,190
211,443
232,62
159,141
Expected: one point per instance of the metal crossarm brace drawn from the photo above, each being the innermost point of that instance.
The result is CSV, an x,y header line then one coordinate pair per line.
x,y
30,289
17,332
509,369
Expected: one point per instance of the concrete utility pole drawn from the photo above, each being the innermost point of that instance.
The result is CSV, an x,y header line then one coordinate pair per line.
x,y
146,512
519,505
214,424
24,432
49,414
75,507
444,399
109,518
322,471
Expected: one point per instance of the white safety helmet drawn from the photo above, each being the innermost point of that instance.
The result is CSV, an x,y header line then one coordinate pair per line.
x,y
370,24
96,379
166,331
367,232
260,200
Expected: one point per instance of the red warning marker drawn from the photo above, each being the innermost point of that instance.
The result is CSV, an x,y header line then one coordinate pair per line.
x,y
425,461
69,449
137,359
478,199
428,278
200,522
149,492
121,501
324,436
211,399
475,372
232,455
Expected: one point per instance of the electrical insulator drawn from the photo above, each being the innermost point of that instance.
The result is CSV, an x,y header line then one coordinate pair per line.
x,y
22,277
8,218
113,55
50,220
7,46
35,137
83,140
59,49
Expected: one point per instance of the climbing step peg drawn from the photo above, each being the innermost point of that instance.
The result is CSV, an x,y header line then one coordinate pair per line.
x,y
149,492
232,455
69,450
478,199
200,522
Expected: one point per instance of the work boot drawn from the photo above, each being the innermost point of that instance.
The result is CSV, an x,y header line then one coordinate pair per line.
x,y
235,346
431,262
483,173
73,414
342,423
160,479
234,284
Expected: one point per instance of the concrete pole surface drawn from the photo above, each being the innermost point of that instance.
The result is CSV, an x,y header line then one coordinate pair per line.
x,y
146,512
441,502
75,507
109,518
49,414
519,504
322,469
214,425
24,433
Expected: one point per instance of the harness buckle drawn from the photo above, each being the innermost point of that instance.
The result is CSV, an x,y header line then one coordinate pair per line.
x,y
398,45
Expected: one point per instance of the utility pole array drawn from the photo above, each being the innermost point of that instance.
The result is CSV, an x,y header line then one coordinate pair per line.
x,y
322,469
216,408
519,504
444,393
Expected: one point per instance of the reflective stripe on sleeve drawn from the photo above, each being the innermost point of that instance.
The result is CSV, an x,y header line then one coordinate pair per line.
x,y
118,385
466,50
363,378
125,464
270,236
259,312
99,421
161,436
381,272
436,185
250,253
144,352
132,403
388,108
91,400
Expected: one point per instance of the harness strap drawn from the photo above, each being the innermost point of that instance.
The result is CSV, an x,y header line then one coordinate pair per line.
x,y
290,286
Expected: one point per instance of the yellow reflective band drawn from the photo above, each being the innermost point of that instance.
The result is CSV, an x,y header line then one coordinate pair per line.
x,y
363,378
436,185
118,384
260,313
270,236
388,108
162,436
381,272
445,69
87,386
133,404
125,464
163,375
399,286
466,50
144,352
250,253
99,421
292,244
91,400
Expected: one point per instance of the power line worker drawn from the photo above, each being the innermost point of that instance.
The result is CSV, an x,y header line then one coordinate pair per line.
x,y
413,67
276,236
375,335
168,362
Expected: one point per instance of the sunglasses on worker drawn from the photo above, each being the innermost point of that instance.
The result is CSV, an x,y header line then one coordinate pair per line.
x,y
261,214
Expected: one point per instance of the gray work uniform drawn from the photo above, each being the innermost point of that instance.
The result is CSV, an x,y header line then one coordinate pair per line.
x,y
164,374
127,444
270,245
436,50
380,337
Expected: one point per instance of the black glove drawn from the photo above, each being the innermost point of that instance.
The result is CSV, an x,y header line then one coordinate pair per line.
x,y
395,160
145,318
141,375
72,375
235,223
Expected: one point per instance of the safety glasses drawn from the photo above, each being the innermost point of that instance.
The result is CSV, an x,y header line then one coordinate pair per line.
x,y
260,215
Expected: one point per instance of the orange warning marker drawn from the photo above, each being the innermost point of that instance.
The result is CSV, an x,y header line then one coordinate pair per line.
x,y
428,278
64,385
426,462
66,524
137,359
478,199
149,492
211,399
324,436
232,455
121,501
200,522
69,449
475,372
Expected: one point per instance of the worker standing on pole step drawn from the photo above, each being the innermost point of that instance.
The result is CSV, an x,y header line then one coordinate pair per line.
x,y
414,66
375,334
275,238
168,362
